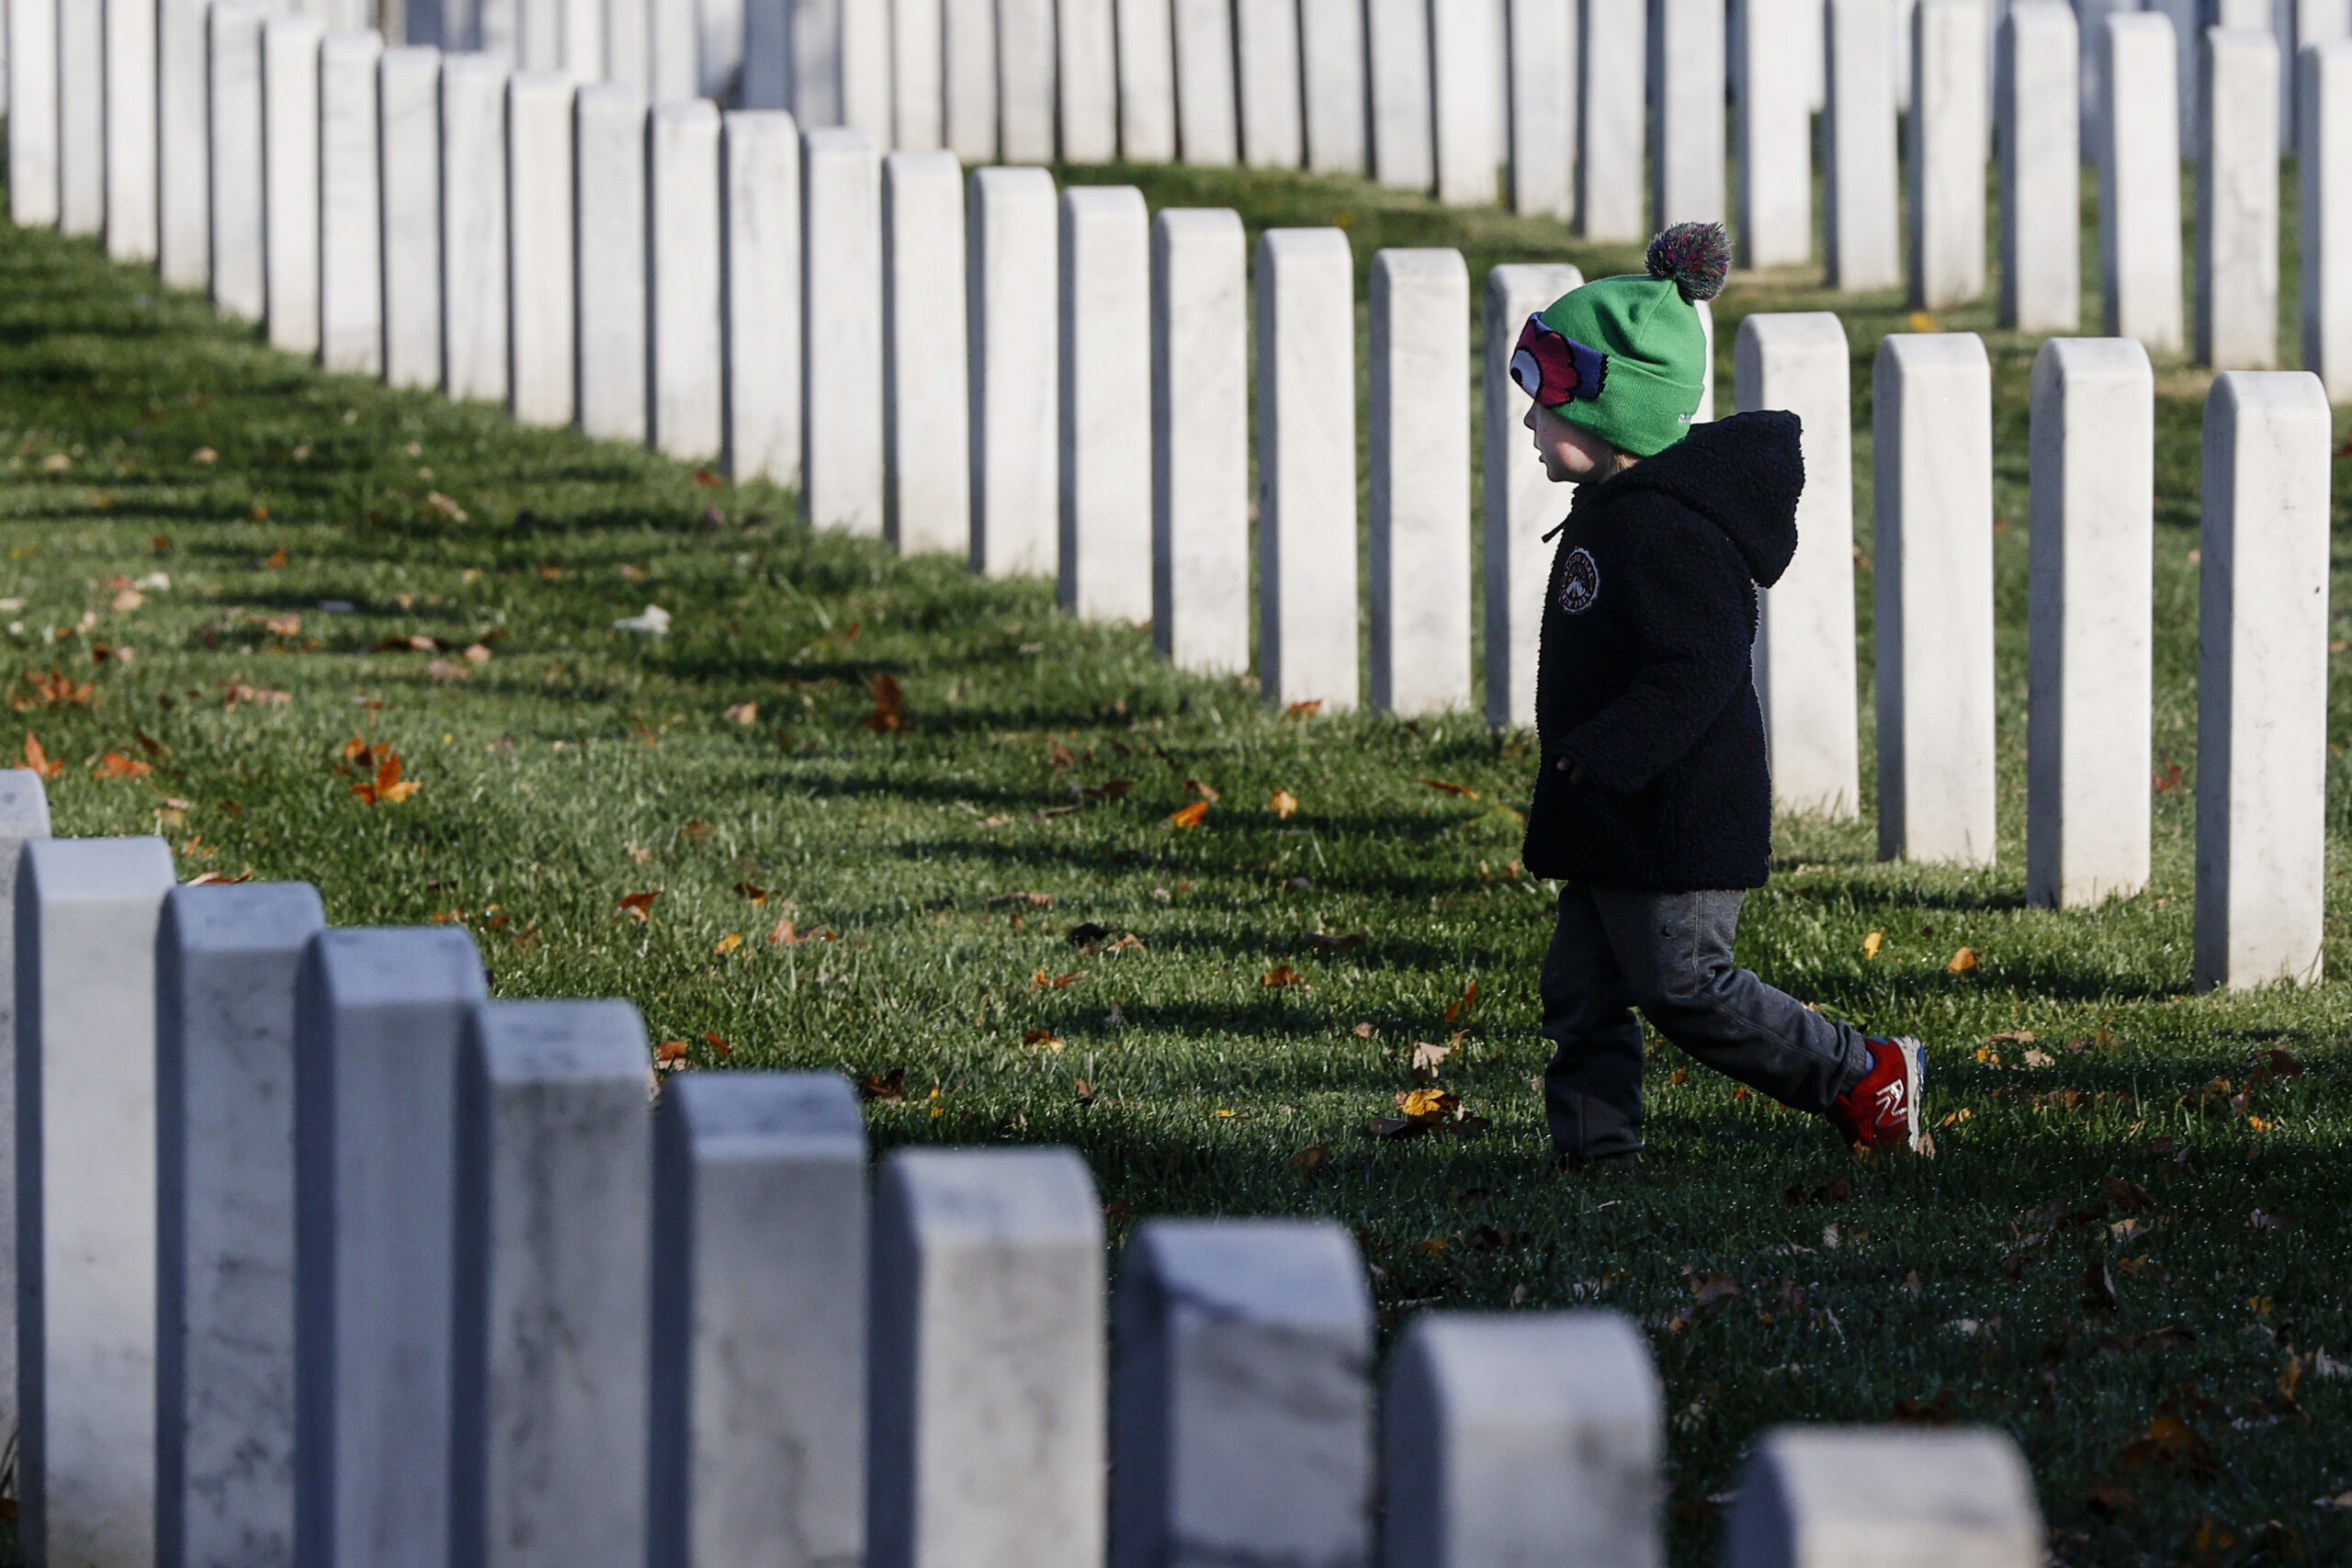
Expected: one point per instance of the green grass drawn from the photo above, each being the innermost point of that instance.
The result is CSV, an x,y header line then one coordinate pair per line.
x,y
578,765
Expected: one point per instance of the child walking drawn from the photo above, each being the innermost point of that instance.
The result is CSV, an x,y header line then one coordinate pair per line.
x,y
1654,807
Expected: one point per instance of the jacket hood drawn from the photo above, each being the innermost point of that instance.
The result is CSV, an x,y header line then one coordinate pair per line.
x,y
1744,475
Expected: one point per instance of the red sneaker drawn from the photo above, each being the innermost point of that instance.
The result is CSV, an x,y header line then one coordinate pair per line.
x,y
1882,1111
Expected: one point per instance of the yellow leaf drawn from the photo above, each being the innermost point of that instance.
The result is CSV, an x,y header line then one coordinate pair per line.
x,y
728,942
1964,962
1923,322
1873,943
1283,804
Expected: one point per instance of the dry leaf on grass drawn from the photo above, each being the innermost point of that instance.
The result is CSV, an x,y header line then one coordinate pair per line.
x,y
1463,790
1463,1009
1281,975
1873,943
37,760
728,942
1189,816
639,906
1281,803
744,713
1964,962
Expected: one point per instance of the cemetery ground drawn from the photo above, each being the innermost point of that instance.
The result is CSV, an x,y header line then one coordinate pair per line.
x,y
1026,883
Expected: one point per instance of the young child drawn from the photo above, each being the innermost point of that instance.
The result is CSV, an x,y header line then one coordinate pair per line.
x,y
1654,806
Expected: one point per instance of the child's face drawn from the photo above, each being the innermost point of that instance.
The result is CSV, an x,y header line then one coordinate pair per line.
x,y
1571,454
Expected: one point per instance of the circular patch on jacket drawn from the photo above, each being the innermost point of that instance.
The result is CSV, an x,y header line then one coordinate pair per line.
x,y
1579,581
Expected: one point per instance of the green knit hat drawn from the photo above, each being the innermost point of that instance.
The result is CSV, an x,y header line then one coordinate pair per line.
x,y
1625,357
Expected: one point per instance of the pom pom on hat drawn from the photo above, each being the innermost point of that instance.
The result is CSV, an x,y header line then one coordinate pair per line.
x,y
1694,257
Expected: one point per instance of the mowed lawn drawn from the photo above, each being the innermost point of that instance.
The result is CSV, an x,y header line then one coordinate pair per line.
x,y
868,815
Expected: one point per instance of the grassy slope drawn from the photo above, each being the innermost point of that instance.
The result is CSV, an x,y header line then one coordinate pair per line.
x,y
580,764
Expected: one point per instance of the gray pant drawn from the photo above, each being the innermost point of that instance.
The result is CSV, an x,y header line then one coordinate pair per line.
x,y
1669,954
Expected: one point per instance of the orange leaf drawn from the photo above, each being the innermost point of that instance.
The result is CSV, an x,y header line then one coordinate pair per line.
x,y
37,760
717,1043
1036,1037
1304,710
1964,962
640,905
781,936
1054,983
1281,975
1283,804
751,892
705,479
1189,816
1462,1009
115,765
1463,790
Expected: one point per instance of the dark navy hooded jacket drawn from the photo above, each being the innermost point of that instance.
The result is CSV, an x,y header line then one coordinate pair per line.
x,y
1654,773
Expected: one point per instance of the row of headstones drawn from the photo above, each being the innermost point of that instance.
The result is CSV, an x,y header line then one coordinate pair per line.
x,y
325,1257
2263,627
635,272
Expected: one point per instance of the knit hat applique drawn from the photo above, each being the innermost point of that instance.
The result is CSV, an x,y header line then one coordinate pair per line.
x,y
1625,358
1553,369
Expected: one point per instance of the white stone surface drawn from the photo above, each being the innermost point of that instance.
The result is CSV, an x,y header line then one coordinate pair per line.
x,y
918,84
1243,1393
1396,37
1105,332
927,418
86,913
539,266
760,293
1931,436
24,814
1856,1497
1946,149
840,327
1302,290
988,1443
2262,680
2041,168
868,85
760,1321
378,1017
408,107
2091,684
1419,449
1524,1438
2323,183
969,95
1332,66
1542,62
1614,136
1772,205
1521,504
1804,629
1467,146
2090,16
1024,67
1087,70
32,112
290,121
674,52
1687,130
1208,129
2138,184
1015,363
131,146
183,207
554,1223
2237,201
1860,224
1199,414
686,352
226,960
235,143
473,227
81,116
1146,81
1265,48
609,215
351,230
